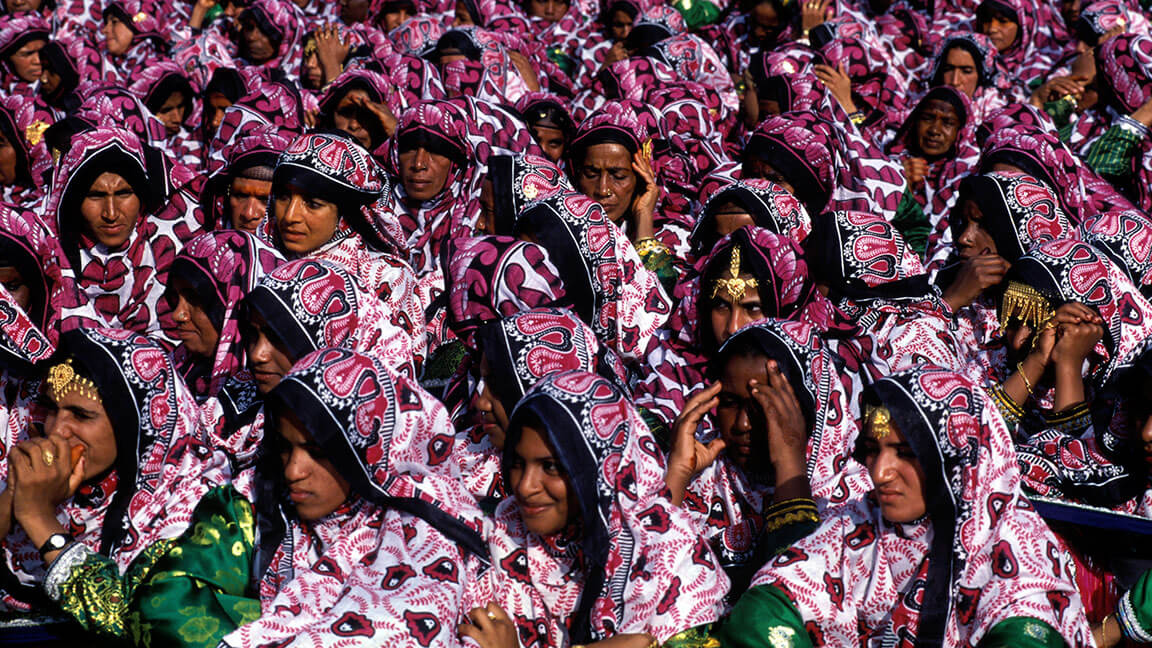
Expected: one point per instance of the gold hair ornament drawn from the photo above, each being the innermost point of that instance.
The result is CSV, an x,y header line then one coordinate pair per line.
x,y
735,286
63,380
35,132
1026,304
879,421
140,17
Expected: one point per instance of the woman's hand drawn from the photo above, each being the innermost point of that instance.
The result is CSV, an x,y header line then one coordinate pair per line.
x,y
689,456
915,170
976,275
331,50
1058,88
527,72
381,111
644,205
787,433
491,627
1077,339
199,12
813,13
839,84
43,476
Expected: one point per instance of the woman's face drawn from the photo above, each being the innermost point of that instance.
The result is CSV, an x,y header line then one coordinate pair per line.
x,y
117,36
394,18
424,174
765,19
172,113
895,472
757,168
606,176
49,81
493,417
315,486
15,285
304,222
349,117
217,103
549,11
256,45
739,418
540,485
7,162
26,61
248,202
109,210
82,421
729,315
354,11
268,357
620,25
974,240
311,74
190,317
16,6
936,128
959,71
551,141
463,16
1001,30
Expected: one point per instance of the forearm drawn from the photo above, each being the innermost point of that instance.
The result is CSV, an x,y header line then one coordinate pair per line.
x,y
89,588
1069,386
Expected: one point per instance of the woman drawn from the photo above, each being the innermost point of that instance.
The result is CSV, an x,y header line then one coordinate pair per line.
x,y
551,122
120,502
948,521
781,435
567,543
937,147
762,203
514,353
117,244
22,36
970,63
367,530
514,181
167,92
363,104
609,286
270,36
208,279
235,194
1022,33
133,40
328,203
25,162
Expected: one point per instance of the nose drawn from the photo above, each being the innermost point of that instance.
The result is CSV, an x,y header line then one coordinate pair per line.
x,y
602,189
1146,431
529,483
254,208
743,423
421,160
882,468
108,213
296,468
967,237
734,321
952,78
181,313
293,213
481,400
259,350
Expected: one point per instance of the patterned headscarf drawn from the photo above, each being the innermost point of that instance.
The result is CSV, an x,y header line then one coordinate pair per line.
x,y
490,277
395,560
1124,66
628,526
281,21
1071,271
609,286
163,464
417,36
518,180
1125,237
149,40
222,268
261,146
114,287
23,122
1036,47
771,207
1019,211
487,73
981,555
1103,16
29,336
16,31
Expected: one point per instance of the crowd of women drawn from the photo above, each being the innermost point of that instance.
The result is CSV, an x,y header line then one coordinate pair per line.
x,y
613,323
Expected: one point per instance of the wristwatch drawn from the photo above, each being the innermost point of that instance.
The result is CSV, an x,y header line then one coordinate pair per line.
x,y
55,542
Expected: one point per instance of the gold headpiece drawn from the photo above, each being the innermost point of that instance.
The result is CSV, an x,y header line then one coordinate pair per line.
x,y
1026,304
309,47
646,150
735,286
63,380
140,17
35,132
879,421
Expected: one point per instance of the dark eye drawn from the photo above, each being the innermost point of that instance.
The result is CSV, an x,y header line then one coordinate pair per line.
x,y
552,468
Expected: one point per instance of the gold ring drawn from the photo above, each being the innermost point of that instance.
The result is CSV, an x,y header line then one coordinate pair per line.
x,y
491,615
49,458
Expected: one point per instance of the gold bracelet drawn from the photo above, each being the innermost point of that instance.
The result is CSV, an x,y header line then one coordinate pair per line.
x,y
1024,376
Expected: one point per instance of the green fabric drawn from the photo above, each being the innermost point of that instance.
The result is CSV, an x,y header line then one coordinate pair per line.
x,y
660,260
658,427
1022,632
189,591
698,637
697,13
1060,111
1135,609
1111,155
912,223
440,368
764,618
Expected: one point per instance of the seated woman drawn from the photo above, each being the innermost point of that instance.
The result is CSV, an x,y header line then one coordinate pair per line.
x,y
108,191
25,161
550,122
753,201
937,147
22,36
361,103
328,203
209,278
568,544
946,552
367,531
299,307
514,354
167,92
140,537
1022,33
133,40
269,37
235,196
970,63
781,435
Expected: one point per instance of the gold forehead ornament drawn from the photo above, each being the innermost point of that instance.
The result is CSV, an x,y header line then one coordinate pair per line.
x,y
879,421
735,286
63,380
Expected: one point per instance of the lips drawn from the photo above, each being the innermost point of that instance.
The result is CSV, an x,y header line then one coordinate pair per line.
x,y
533,511
298,495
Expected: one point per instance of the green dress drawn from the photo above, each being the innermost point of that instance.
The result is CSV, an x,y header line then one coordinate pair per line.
x,y
765,618
187,591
